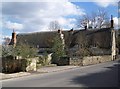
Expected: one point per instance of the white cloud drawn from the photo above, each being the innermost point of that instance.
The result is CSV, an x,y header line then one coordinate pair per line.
x,y
6,36
1,40
11,25
34,0
119,11
119,23
105,3
116,23
36,16
67,23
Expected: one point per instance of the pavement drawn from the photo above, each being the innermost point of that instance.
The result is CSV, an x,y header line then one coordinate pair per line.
x,y
99,75
39,71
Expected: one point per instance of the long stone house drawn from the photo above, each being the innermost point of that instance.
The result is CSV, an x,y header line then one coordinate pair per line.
x,y
96,41
99,38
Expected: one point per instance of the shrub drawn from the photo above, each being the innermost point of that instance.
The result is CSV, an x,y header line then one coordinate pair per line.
x,y
57,49
43,60
9,53
23,65
10,65
20,50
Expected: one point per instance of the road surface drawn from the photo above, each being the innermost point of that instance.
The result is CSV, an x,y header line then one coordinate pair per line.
x,y
99,75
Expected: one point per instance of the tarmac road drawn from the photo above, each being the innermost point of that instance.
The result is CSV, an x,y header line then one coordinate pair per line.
x,y
99,75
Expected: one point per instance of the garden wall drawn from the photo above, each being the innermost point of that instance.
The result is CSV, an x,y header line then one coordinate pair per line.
x,y
70,61
96,59
84,61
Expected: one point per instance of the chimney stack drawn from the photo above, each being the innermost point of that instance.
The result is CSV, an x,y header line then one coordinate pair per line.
x,y
86,27
112,22
59,31
14,38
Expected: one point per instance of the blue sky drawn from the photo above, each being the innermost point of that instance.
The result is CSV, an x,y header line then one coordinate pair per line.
x,y
27,17
91,6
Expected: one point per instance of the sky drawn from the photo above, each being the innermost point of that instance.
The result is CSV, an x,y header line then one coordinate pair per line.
x,y
27,17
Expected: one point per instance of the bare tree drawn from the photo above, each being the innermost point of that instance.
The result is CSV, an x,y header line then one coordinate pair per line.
x,y
54,25
6,41
102,18
93,19
83,46
98,19
84,21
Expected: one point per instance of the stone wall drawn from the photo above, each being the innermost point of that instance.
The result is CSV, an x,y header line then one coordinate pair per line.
x,y
63,61
69,61
96,59
32,64
85,60
48,61
76,61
